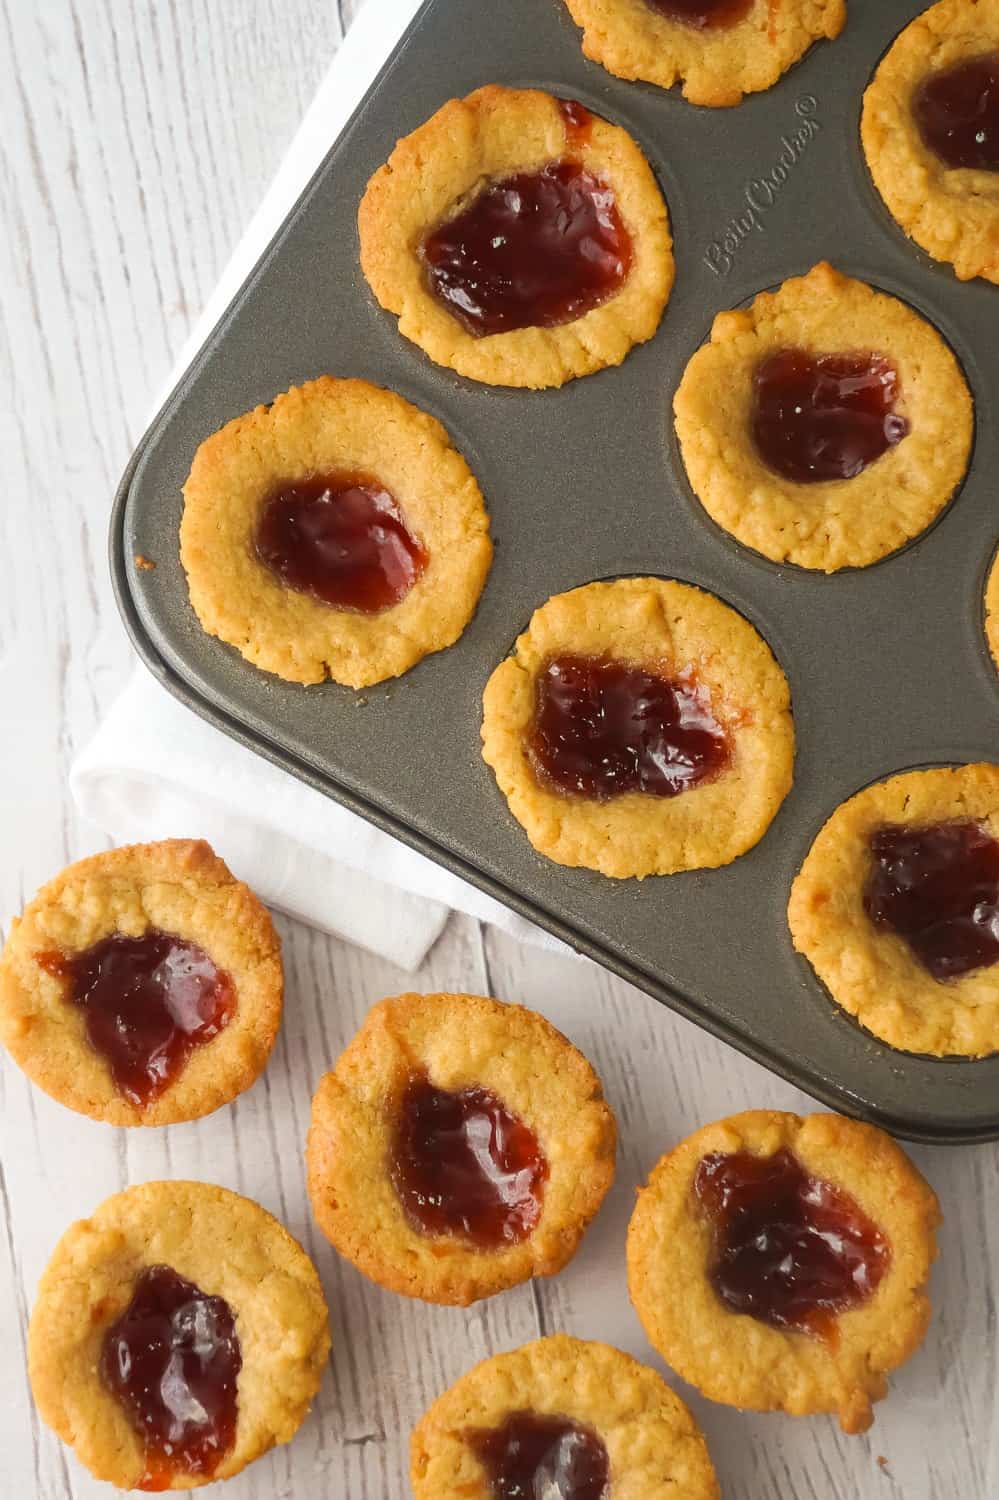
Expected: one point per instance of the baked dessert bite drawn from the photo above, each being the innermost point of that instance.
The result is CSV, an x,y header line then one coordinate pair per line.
x,y
178,1334
142,986
718,49
896,907
825,425
779,1263
459,1146
930,131
992,610
560,1419
336,533
639,728
520,239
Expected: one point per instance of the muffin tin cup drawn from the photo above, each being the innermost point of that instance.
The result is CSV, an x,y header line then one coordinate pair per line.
x,y
887,665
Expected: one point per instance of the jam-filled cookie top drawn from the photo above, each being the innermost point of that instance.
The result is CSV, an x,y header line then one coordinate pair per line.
x,y
459,1146
536,248
179,1333
826,425
336,533
640,727
779,1263
142,986
896,906
719,50
560,1419
930,131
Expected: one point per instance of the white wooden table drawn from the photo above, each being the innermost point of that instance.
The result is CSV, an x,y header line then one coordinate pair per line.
x,y
137,137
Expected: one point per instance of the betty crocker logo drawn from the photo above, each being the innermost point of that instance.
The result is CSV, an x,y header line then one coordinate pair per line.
x,y
762,193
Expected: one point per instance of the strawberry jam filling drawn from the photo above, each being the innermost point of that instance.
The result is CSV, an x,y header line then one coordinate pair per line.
x,y
341,538
789,1249
464,1165
172,1359
147,1003
602,728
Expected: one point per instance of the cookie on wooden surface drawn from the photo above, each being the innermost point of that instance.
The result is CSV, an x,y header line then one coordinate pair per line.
x,y
178,1334
561,1418
779,1263
459,1147
142,986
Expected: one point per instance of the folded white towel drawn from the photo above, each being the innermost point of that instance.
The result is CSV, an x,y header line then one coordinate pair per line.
x,y
155,770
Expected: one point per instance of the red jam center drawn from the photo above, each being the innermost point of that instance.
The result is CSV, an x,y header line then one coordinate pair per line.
x,y
147,1003
341,538
535,1457
531,251
938,888
463,1164
824,417
789,1249
957,113
602,728
704,15
577,119
172,1359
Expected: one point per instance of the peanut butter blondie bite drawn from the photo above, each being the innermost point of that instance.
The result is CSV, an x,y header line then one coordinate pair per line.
x,y
142,986
930,130
896,907
179,1333
459,1147
718,49
336,533
640,727
779,1263
826,425
564,1420
520,239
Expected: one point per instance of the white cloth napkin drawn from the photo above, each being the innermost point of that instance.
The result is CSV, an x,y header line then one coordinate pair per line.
x,y
155,770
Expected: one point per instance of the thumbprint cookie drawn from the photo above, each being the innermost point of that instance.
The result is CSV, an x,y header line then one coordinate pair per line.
x,y
560,1419
336,533
930,131
718,49
779,1263
640,727
179,1333
459,1146
142,986
896,907
825,425
520,239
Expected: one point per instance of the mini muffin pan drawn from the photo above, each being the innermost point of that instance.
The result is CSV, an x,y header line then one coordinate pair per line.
x,y
888,665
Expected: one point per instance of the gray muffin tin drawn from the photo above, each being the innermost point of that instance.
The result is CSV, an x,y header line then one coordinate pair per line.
x,y
887,665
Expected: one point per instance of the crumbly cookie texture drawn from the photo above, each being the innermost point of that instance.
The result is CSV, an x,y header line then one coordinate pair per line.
x,y
839,524
870,972
321,427
992,610
716,67
674,629
229,1247
180,887
431,173
953,214
460,1041
654,1447
733,1358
